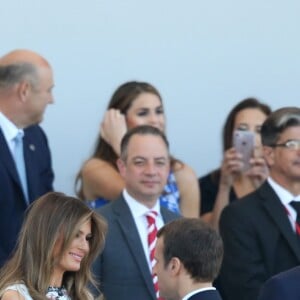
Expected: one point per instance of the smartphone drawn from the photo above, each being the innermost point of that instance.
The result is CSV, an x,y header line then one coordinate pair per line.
x,y
243,142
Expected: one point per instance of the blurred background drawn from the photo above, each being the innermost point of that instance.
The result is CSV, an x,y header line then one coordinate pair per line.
x,y
203,56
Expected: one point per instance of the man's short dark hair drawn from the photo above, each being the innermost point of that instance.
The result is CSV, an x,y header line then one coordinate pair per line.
x,y
277,122
198,246
140,130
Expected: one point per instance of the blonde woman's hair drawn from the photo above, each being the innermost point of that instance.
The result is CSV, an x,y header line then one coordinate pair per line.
x,y
53,216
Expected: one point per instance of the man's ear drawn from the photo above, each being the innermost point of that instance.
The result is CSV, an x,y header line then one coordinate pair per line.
x,y
23,90
175,266
121,166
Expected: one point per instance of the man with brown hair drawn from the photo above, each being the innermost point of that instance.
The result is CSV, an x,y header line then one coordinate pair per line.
x,y
188,258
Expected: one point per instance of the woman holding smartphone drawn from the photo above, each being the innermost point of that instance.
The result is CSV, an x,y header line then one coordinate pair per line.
x,y
234,179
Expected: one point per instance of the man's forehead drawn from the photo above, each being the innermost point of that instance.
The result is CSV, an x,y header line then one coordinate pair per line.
x,y
140,141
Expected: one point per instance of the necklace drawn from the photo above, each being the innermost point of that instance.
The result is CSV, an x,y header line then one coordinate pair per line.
x,y
57,293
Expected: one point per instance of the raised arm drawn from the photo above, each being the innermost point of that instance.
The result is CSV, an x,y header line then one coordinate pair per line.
x,y
113,128
101,179
189,191
230,166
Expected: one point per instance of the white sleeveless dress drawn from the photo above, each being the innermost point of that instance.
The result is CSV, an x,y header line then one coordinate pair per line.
x,y
52,293
21,289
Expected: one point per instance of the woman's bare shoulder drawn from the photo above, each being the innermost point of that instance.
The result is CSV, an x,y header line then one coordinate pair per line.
x,y
184,171
12,295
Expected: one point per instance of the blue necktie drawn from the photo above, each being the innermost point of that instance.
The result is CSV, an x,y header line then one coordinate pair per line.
x,y
20,163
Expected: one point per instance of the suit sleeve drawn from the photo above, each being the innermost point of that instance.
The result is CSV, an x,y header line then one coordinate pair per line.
x,y
48,173
274,289
243,271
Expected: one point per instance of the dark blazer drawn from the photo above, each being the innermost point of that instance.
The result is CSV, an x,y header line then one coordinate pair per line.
x,y
122,268
39,177
259,242
284,286
206,295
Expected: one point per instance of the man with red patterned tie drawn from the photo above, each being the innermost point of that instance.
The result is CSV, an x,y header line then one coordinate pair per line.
x,y
261,231
125,267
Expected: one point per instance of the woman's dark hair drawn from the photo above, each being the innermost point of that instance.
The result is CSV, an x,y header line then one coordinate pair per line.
x,y
229,123
122,100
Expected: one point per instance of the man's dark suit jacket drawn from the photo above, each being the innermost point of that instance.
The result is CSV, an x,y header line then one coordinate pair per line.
x,y
284,286
206,295
122,268
39,178
259,242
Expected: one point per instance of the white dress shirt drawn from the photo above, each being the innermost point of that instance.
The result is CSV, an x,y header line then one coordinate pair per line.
x,y
138,211
10,131
286,197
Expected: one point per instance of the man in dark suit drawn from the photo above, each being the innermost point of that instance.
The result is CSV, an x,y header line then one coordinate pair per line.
x,y
26,82
188,257
260,232
284,286
124,268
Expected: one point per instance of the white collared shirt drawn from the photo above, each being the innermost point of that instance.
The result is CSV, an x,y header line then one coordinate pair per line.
x,y
138,212
189,295
285,197
10,131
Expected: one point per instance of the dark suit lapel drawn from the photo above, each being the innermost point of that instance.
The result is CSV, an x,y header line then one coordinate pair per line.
x,y
29,149
7,160
131,236
277,212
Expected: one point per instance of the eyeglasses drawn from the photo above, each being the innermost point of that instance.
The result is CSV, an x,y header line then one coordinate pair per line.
x,y
290,144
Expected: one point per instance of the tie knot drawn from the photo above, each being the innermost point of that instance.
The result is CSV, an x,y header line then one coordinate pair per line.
x,y
151,216
19,136
296,206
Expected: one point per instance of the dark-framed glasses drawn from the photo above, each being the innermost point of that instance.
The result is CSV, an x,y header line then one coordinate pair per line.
x,y
289,144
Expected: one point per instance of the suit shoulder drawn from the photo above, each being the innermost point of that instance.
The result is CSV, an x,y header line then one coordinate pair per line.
x,y
104,210
112,208
247,202
35,130
169,215
242,208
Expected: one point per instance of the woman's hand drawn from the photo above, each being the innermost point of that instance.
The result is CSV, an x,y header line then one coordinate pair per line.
x,y
231,166
259,170
113,128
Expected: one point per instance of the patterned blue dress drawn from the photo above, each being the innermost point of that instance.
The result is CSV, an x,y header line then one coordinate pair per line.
x,y
170,197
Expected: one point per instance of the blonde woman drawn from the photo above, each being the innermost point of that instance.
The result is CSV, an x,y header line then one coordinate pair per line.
x,y
58,242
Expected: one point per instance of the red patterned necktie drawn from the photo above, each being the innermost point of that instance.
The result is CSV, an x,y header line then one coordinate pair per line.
x,y
152,231
296,206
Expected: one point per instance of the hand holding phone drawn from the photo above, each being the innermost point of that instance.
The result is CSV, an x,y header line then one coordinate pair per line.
x,y
243,142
